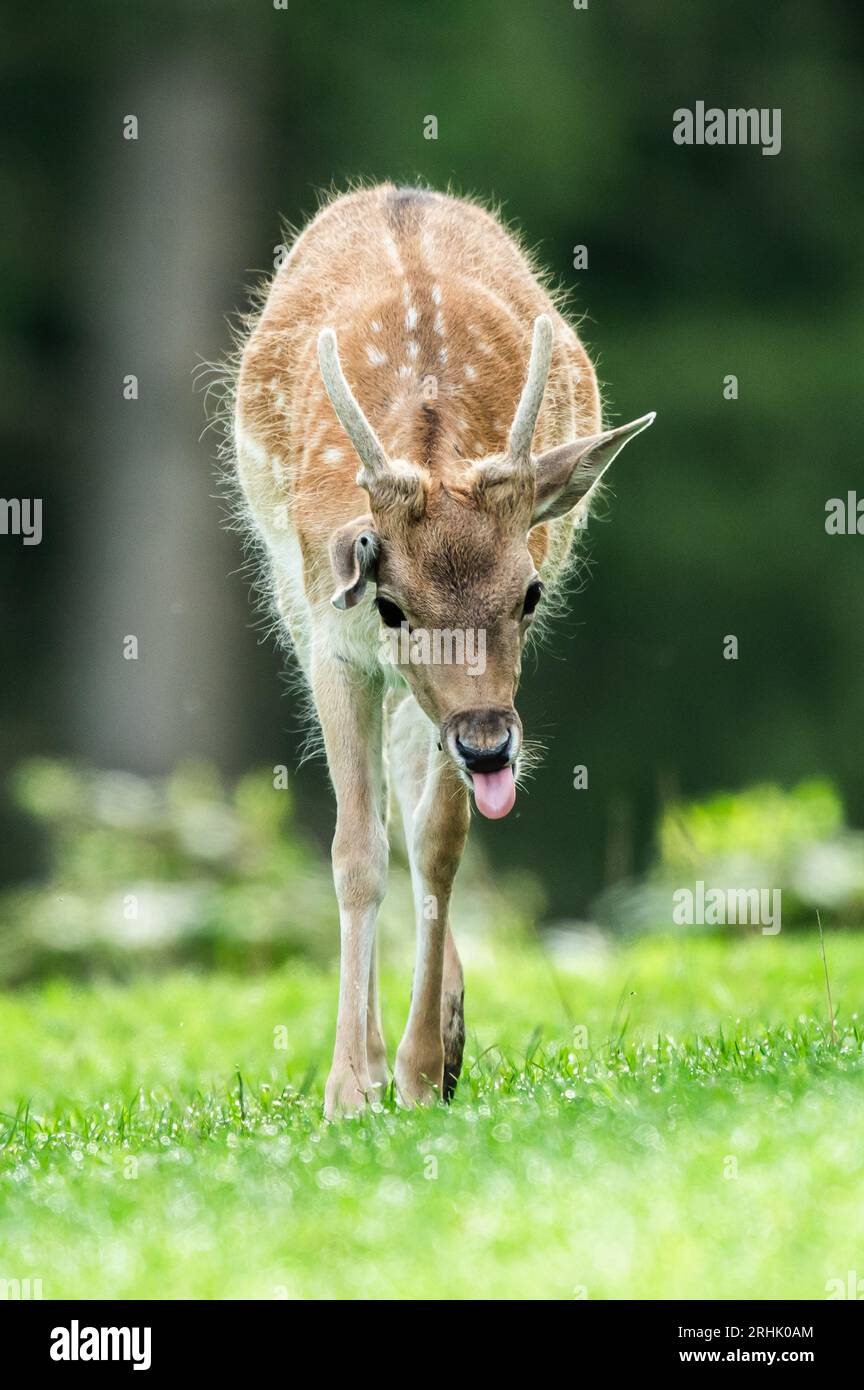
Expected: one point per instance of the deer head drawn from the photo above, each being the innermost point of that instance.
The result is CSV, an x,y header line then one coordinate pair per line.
x,y
450,555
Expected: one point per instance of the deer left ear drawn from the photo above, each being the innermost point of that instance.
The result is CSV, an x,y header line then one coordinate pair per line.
x,y
564,476
354,551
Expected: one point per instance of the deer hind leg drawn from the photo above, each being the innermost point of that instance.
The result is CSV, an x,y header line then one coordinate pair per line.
x,y
350,711
376,1051
435,813
452,1015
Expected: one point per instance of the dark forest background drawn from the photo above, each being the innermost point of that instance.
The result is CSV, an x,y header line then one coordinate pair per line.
x,y
126,257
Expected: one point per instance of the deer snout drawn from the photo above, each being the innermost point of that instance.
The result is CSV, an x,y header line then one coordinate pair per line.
x,y
485,743
485,759
485,740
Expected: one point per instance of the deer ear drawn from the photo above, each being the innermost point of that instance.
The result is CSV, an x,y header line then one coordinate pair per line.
x,y
564,476
354,550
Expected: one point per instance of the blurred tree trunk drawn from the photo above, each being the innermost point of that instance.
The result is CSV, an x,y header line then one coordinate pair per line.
x,y
166,253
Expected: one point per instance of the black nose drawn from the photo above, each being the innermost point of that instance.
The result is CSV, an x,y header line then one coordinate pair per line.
x,y
485,759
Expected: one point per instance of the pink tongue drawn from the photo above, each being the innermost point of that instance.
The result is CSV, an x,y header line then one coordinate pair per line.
x,y
494,792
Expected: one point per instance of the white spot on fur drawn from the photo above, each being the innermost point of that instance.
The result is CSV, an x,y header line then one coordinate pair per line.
x,y
333,455
470,371
413,348
376,356
439,324
375,326
316,434
405,370
411,318
484,347
436,294
442,354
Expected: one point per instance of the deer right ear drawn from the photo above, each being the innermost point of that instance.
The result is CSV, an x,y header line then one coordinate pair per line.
x,y
564,476
354,551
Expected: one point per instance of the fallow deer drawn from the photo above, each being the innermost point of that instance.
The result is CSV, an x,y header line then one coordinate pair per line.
x,y
407,331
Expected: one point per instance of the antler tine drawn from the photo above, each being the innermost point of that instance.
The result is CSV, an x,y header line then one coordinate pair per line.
x,y
525,419
366,442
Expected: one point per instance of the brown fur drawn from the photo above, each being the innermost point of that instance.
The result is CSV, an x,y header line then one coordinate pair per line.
x,y
338,273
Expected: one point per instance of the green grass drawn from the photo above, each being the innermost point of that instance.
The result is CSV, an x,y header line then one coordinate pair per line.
x,y
156,1143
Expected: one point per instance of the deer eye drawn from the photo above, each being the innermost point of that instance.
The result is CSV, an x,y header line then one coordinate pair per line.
x,y
391,613
532,598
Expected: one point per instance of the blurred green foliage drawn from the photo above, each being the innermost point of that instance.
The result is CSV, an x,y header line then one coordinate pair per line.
x,y
763,837
763,822
797,841
155,872
150,873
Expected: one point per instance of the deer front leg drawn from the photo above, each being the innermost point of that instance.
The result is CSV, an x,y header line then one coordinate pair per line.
x,y
351,719
435,811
